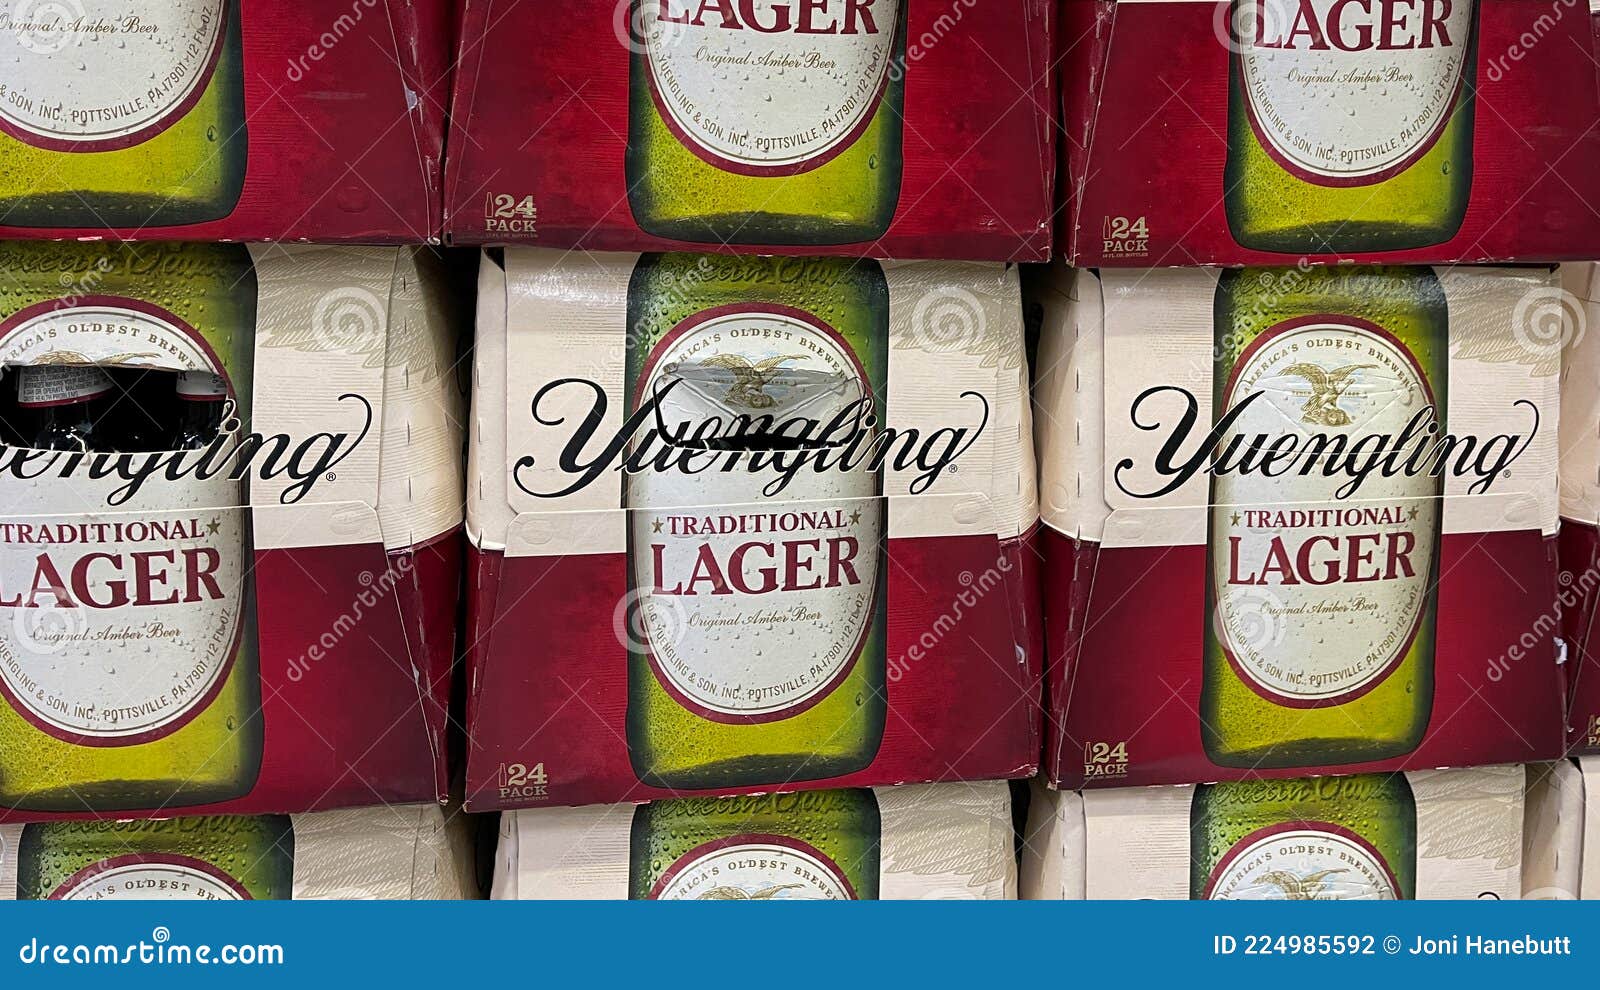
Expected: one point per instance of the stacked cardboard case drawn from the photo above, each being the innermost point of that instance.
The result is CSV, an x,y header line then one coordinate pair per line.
x,y
231,482
802,505
751,481
1306,603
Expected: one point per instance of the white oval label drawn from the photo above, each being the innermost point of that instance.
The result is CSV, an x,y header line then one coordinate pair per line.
x,y
754,609
1305,861
764,87
1345,93
1319,598
118,622
151,877
93,75
754,868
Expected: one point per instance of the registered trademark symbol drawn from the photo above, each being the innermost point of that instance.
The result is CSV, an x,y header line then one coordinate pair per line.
x,y
332,476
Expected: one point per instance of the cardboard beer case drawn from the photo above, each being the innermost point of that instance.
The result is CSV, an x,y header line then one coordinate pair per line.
x,y
1553,832
259,618
1258,132
404,852
1419,835
744,524
1297,521
1576,602
224,120
882,128
917,842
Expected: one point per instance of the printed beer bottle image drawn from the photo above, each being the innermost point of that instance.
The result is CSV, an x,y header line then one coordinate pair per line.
x,y
776,122
814,845
114,115
209,858
128,651
14,420
1316,839
202,403
140,410
67,403
1349,124
757,636
1321,591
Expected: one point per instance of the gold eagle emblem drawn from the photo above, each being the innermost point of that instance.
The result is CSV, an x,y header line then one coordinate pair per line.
x,y
1295,888
739,894
751,380
1327,388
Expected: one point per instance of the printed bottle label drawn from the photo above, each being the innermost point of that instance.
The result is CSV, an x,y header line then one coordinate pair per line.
x,y
754,868
1319,598
93,75
1343,93
151,877
770,86
1302,861
201,386
754,610
119,620
39,387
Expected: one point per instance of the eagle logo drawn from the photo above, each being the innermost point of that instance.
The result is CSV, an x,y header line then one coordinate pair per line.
x,y
1327,388
740,894
133,359
1306,888
751,380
